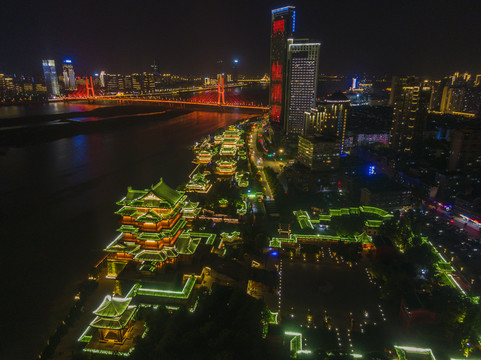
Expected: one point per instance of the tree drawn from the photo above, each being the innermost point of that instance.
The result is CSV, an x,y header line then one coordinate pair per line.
x,y
228,324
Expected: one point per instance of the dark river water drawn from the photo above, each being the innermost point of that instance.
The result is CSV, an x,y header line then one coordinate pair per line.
x,y
15,111
57,204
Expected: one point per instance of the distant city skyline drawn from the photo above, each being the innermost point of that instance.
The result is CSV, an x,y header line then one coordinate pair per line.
x,y
378,37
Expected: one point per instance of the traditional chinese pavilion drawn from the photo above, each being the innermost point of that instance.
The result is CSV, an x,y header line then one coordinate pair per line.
x,y
204,157
226,167
114,330
198,183
114,319
152,230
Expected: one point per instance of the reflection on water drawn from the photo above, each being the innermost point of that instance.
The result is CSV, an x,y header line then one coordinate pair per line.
x,y
58,200
13,111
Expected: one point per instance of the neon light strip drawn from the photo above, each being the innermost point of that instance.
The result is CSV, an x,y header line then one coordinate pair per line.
x,y
116,239
282,9
456,283
417,350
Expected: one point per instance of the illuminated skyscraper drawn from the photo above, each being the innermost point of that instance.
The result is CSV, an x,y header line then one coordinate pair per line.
x,y
68,75
329,119
102,78
283,23
301,89
51,80
411,103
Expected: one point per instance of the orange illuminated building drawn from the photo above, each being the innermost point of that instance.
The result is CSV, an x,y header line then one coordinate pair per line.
x,y
152,230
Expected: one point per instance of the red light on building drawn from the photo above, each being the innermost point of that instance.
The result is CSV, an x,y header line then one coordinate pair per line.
x,y
276,93
278,26
275,113
276,72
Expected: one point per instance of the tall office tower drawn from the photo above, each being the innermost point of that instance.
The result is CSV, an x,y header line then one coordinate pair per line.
x,y
283,22
112,82
120,82
437,88
302,64
9,86
102,78
51,80
411,105
68,75
329,119
128,82
137,82
148,82
2,85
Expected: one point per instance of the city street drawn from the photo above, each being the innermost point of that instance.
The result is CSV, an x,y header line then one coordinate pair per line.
x,y
257,159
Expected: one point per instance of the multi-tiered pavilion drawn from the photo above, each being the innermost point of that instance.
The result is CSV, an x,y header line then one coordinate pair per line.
x,y
152,230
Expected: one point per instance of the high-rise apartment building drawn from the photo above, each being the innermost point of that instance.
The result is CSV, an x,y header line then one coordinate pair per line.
x,y
50,74
461,94
329,118
68,75
411,104
318,153
283,22
465,151
302,65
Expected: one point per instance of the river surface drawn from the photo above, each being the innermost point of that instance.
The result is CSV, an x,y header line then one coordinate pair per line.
x,y
57,205
14,111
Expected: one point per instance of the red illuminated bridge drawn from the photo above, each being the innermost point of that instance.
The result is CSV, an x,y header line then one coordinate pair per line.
x,y
208,100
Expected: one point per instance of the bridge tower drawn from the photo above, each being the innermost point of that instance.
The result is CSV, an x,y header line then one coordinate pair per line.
x,y
220,91
89,85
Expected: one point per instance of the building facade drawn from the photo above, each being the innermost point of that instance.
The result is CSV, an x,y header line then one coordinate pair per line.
x,y
68,75
51,79
329,118
410,108
318,153
465,151
282,29
302,65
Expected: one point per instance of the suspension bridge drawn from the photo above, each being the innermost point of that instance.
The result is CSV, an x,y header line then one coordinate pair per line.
x,y
210,100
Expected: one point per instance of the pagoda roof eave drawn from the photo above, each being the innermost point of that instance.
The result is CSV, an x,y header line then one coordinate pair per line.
x,y
112,306
116,323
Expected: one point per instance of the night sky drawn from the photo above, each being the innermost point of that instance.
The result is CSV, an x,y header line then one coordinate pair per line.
x,y
420,37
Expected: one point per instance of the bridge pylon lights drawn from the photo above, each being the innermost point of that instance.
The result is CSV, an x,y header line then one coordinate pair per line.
x,y
220,91
89,85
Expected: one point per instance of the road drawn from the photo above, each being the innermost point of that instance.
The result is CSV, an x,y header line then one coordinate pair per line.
x,y
258,161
